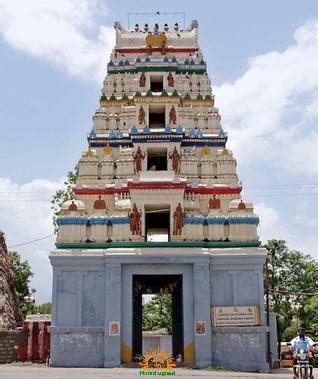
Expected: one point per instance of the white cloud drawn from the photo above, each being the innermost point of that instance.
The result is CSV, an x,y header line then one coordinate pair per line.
x,y
270,111
25,215
27,207
271,225
64,33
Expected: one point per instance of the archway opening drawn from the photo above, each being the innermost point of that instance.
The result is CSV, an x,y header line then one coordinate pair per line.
x,y
157,223
163,288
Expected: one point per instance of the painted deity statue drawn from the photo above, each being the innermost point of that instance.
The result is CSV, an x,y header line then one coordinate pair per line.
x,y
241,205
176,160
72,207
135,221
138,157
170,80
141,116
156,30
173,115
178,220
142,80
214,203
99,204
163,48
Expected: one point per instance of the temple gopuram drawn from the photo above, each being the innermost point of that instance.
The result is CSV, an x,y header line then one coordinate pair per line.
x,y
158,209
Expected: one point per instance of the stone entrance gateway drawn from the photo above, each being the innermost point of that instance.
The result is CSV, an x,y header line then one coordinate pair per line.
x,y
93,288
157,204
155,284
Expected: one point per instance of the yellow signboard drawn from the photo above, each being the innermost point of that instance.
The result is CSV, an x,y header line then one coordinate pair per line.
x,y
236,316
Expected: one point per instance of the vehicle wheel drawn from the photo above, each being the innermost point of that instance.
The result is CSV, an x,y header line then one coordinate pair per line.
x,y
296,372
304,372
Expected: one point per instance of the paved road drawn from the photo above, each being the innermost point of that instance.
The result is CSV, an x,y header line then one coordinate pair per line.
x,y
40,372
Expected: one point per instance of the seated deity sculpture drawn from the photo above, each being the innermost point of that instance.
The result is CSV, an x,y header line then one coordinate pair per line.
x,y
72,207
241,205
99,204
214,203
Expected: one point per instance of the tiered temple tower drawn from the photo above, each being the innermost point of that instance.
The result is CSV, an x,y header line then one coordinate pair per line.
x,y
157,202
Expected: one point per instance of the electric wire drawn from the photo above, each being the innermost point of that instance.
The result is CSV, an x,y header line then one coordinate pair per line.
x,y
31,241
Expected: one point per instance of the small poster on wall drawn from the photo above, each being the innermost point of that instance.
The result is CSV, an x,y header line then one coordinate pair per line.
x,y
200,328
114,328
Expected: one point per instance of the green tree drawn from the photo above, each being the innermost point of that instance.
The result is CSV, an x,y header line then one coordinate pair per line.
x,y
291,331
45,308
157,313
291,272
309,315
23,275
61,196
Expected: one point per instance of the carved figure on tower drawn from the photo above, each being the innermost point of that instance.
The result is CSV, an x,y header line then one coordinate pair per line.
x,y
176,160
163,47
72,207
99,204
178,220
135,220
142,116
214,203
138,157
241,205
156,30
173,115
148,49
142,80
170,80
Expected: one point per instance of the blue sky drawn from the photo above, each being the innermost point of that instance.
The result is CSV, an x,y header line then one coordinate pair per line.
x,y
262,60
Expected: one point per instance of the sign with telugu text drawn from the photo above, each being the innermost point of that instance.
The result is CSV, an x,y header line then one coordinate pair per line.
x,y
236,316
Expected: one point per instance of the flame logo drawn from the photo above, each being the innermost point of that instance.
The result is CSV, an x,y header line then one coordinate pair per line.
x,y
158,360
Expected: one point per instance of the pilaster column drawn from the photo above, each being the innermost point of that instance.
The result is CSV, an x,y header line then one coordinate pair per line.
x,y
202,305
112,313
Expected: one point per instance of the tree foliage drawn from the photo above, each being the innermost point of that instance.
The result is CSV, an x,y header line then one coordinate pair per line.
x,y
290,271
61,196
157,313
45,308
23,275
309,315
